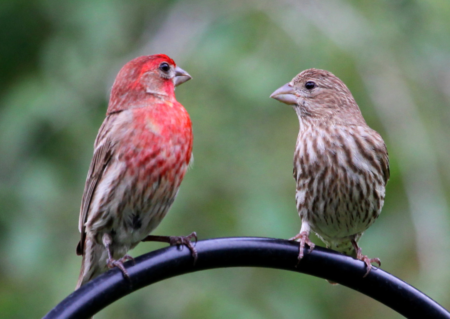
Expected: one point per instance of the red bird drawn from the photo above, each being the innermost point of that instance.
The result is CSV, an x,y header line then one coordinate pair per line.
x,y
141,154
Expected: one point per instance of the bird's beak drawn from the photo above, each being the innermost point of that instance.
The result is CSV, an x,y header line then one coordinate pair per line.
x,y
181,76
285,94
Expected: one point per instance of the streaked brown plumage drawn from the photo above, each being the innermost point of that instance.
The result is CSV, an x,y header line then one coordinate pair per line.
x,y
341,165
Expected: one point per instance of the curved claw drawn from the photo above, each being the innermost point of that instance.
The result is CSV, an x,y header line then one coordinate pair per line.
x,y
111,263
186,241
368,261
126,258
178,240
303,238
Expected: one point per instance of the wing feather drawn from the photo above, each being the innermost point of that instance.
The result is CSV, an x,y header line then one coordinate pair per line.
x,y
103,151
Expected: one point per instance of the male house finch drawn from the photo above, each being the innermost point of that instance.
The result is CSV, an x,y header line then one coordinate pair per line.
x,y
341,165
141,154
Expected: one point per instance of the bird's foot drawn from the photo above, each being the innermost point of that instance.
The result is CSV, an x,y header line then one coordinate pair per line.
x,y
112,263
303,239
368,261
179,241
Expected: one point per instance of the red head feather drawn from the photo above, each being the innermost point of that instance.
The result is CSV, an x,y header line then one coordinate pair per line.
x,y
141,81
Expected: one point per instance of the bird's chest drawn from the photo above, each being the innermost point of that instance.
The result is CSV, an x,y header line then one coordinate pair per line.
x,y
155,160
336,195
152,150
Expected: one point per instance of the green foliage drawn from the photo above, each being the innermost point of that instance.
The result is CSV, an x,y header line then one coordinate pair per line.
x,y
59,60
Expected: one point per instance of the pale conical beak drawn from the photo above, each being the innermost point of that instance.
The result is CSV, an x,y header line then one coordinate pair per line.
x,y
285,94
181,76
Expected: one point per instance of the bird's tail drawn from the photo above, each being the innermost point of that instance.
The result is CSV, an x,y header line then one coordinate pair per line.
x,y
82,278
88,271
90,267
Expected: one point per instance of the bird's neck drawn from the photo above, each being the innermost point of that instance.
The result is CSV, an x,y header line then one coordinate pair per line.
x,y
344,118
139,100
139,94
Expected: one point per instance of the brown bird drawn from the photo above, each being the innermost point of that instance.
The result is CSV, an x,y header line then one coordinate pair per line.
x,y
141,154
341,165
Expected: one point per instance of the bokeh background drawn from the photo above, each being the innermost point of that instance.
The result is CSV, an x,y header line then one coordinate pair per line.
x,y
59,59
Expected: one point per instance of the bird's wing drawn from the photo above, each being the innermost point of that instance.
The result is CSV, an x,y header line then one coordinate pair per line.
x,y
382,155
103,151
384,161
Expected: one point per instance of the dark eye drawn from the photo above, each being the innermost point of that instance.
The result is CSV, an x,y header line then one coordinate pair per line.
x,y
165,67
310,85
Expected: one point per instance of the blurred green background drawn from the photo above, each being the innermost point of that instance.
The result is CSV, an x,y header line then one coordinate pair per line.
x,y
59,59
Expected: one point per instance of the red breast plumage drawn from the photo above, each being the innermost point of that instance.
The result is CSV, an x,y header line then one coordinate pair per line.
x,y
141,154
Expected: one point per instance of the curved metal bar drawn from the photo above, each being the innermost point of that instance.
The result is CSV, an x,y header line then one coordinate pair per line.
x,y
247,252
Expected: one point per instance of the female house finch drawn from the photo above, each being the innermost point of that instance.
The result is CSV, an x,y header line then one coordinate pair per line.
x,y
341,165
141,154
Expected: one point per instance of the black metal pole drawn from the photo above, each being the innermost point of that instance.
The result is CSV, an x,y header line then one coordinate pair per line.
x,y
247,252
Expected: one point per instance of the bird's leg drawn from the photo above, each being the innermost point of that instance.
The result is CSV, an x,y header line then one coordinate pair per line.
x,y
303,238
368,261
177,240
111,262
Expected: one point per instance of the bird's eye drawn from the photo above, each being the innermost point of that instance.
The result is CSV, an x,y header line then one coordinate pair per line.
x,y
310,85
165,67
